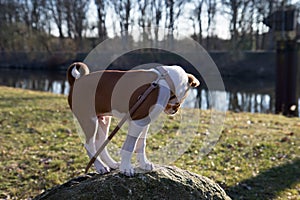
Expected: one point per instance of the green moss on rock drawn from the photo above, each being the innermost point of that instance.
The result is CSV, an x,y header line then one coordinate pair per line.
x,y
164,182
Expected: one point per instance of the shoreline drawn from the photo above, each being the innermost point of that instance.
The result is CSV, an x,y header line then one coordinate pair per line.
x,y
246,65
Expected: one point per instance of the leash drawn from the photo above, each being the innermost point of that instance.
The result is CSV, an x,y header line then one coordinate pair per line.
x,y
117,128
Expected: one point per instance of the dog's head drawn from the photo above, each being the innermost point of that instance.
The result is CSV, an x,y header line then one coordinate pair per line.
x,y
182,82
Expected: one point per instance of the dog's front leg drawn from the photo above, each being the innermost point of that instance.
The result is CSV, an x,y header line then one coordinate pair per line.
x,y
140,149
134,132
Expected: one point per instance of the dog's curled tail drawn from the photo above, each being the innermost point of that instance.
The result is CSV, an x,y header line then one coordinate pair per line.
x,y
76,70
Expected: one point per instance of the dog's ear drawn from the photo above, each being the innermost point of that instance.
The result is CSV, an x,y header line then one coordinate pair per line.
x,y
193,82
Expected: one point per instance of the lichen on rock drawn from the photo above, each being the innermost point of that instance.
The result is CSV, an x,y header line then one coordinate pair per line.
x,y
164,182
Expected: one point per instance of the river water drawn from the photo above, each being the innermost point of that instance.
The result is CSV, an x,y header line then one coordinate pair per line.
x,y
241,95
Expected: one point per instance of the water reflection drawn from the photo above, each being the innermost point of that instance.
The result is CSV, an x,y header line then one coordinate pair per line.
x,y
251,102
49,81
57,87
239,97
235,101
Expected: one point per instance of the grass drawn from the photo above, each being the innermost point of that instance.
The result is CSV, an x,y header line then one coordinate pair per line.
x,y
257,156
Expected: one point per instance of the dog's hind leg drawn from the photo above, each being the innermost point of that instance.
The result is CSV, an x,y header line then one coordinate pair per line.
x,y
140,149
102,134
90,127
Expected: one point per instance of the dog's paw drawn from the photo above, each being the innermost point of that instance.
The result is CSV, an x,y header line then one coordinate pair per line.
x,y
101,169
105,157
147,166
144,164
127,171
114,165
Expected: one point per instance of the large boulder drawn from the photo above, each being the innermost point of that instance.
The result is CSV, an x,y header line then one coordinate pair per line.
x,y
164,182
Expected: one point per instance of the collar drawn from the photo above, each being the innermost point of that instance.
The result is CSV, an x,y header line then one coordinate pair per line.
x,y
165,75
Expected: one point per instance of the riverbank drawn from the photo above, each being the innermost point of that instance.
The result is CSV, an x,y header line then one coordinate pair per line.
x,y
257,156
246,65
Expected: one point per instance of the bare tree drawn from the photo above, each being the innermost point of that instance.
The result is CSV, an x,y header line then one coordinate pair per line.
x,y
37,9
233,6
57,10
76,17
9,15
198,15
79,16
26,24
123,10
101,11
157,9
211,12
239,16
144,19
69,18
174,9
33,13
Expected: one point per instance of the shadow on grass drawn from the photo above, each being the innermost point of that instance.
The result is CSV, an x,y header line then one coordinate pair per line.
x,y
267,184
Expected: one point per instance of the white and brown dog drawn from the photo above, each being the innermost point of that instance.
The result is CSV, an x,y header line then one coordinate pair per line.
x,y
95,97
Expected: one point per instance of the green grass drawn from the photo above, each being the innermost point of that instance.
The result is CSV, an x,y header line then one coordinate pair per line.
x,y
257,157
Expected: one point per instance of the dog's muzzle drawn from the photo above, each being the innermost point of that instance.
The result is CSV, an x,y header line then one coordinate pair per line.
x,y
171,108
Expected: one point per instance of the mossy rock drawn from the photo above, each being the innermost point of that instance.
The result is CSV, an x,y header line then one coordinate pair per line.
x,y
164,182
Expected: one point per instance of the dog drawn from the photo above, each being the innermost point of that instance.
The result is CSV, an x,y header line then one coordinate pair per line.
x,y
95,97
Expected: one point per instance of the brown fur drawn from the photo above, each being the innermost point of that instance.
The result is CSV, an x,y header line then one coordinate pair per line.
x,y
116,87
80,67
193,81
120,90
124,87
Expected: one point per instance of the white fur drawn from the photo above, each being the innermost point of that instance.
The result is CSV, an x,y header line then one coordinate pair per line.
x,y
75,73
